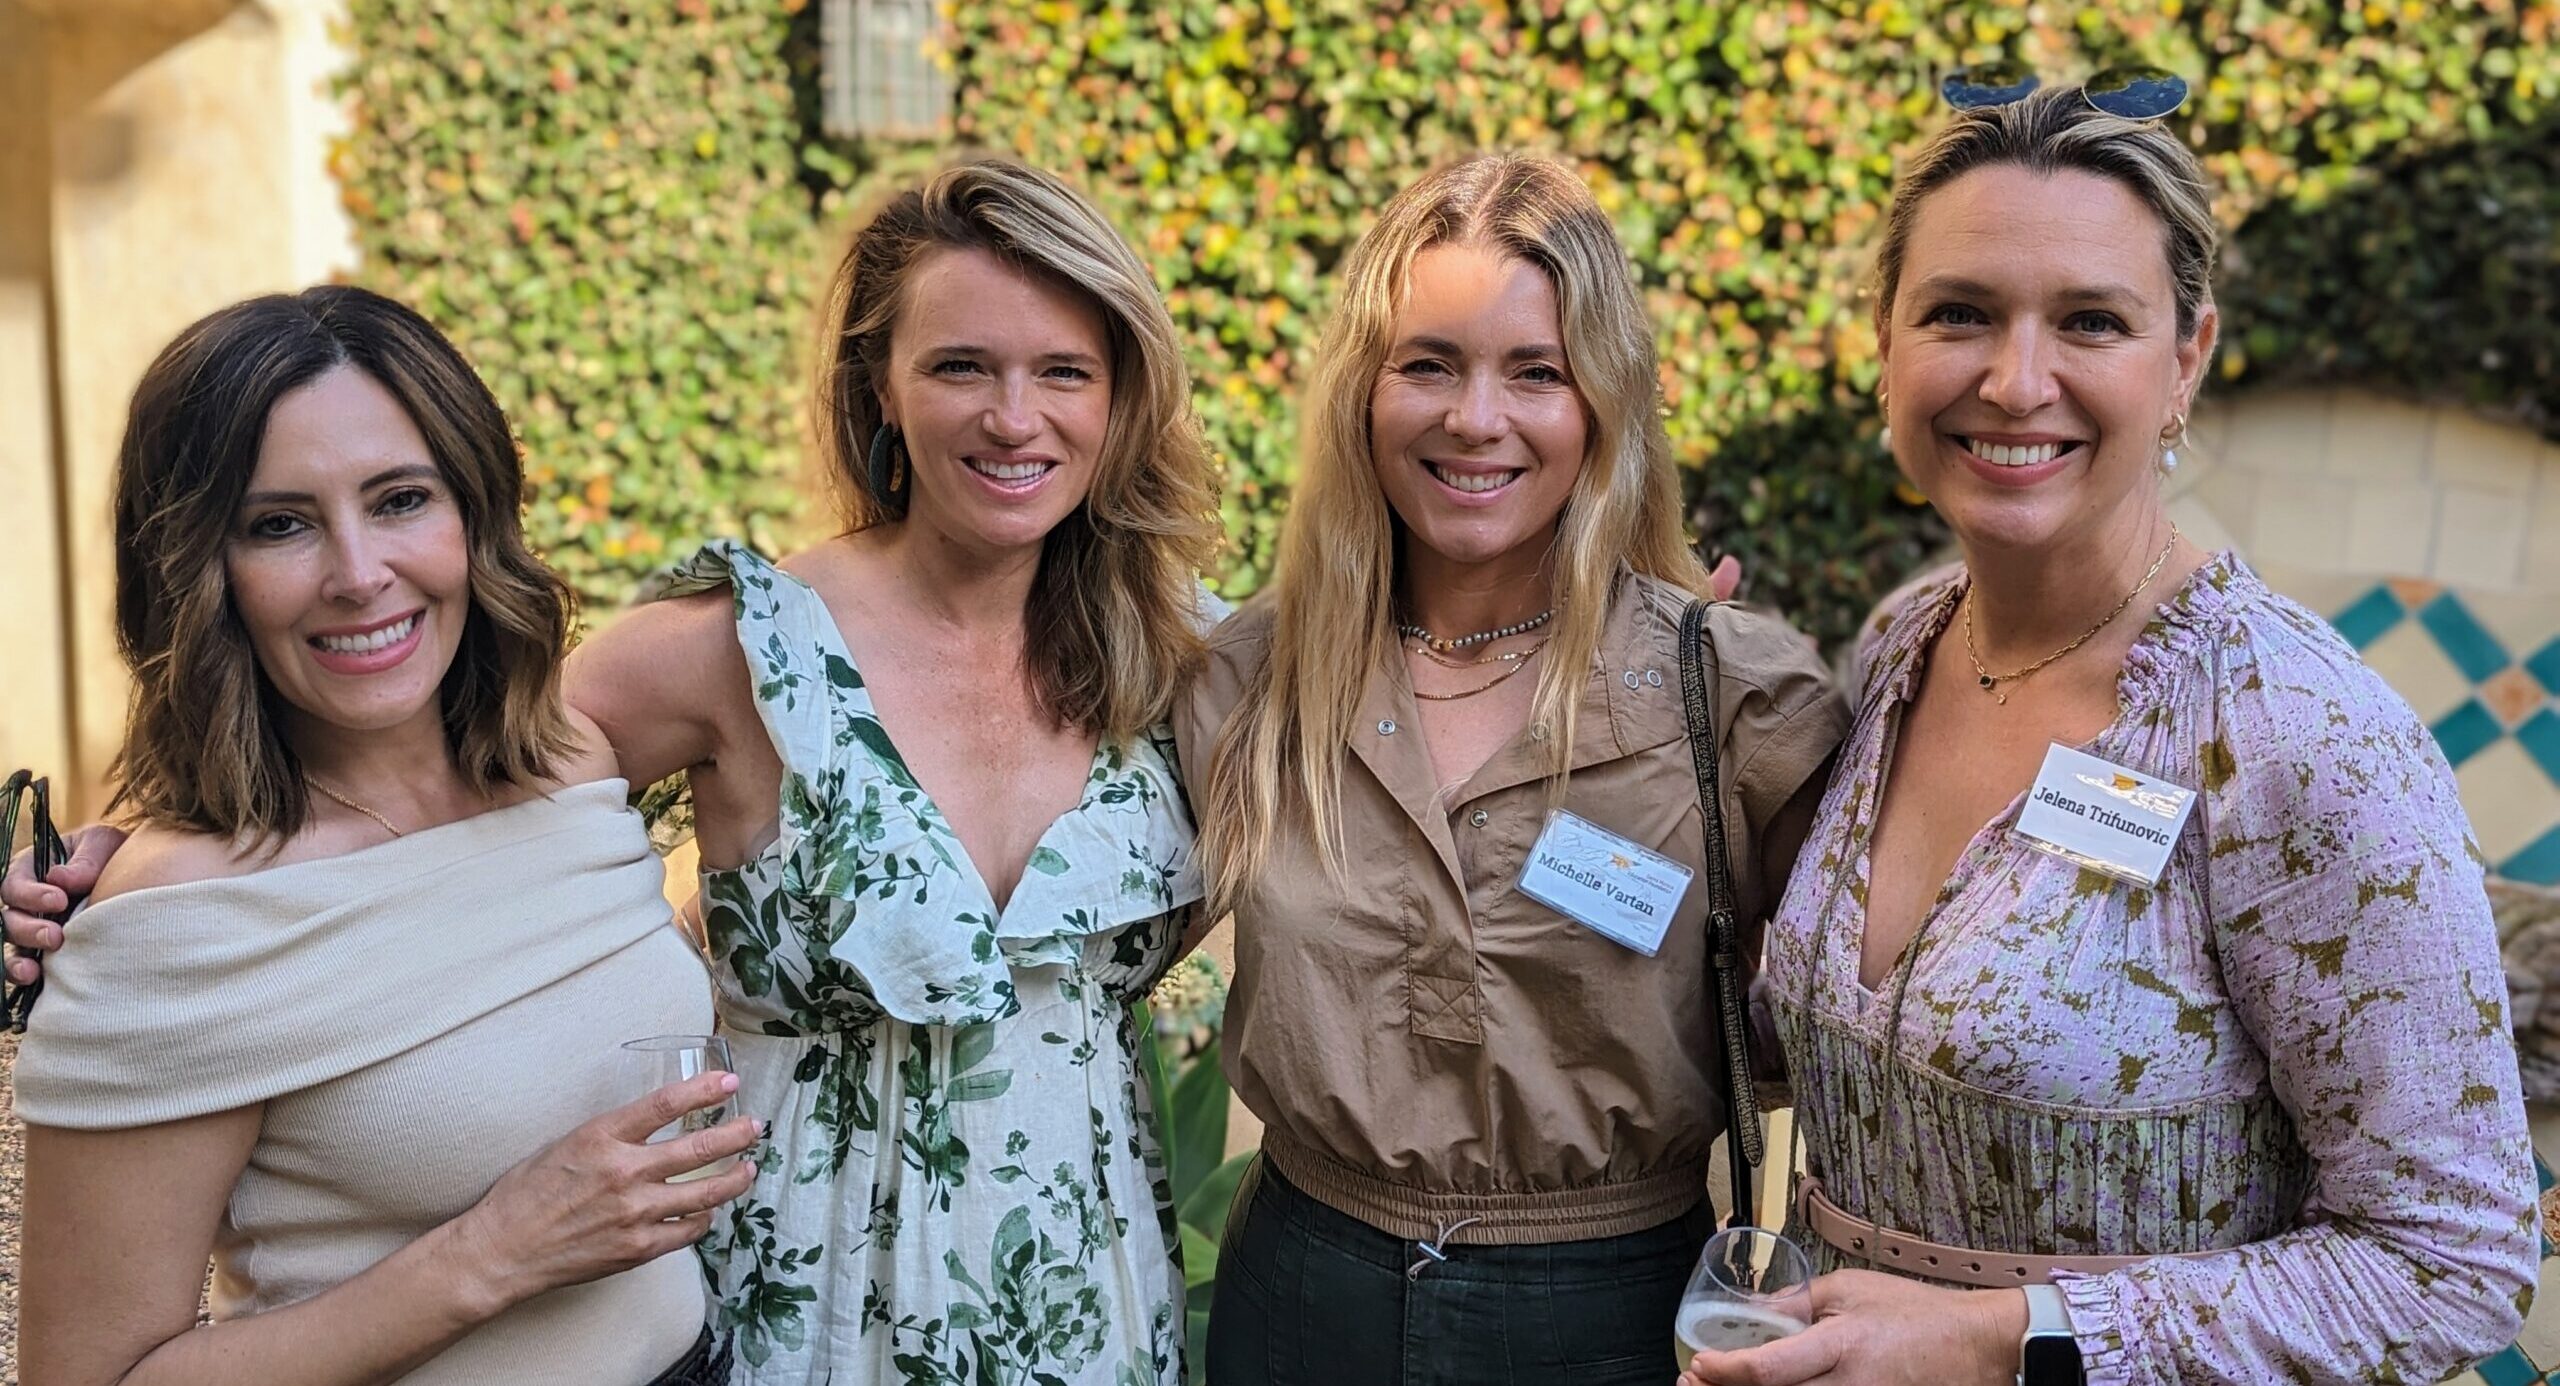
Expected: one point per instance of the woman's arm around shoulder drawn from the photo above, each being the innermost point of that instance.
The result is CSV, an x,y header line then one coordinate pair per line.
x,y
2356,944
666,684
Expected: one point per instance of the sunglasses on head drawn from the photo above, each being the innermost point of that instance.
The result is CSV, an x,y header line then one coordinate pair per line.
x,y
2128,93
18,1002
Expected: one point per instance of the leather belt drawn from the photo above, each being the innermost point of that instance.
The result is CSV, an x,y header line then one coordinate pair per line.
x,y
1900,1251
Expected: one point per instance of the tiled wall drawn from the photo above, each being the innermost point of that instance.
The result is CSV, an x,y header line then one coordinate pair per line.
x,y
2431,538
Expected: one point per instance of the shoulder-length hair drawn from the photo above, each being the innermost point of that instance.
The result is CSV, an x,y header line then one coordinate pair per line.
x,y
1113,616
204,744
1279,758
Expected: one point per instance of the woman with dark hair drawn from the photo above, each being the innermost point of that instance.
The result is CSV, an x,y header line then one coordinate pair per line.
x,y
381,930
2138,983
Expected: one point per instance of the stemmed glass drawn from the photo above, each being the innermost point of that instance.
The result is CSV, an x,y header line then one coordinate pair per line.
x,y
669,1059
1752,1286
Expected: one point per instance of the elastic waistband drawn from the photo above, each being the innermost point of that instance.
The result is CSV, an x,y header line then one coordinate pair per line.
x,y
1497,1219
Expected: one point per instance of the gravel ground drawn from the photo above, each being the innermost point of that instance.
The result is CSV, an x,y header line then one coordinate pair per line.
x,y
13,1156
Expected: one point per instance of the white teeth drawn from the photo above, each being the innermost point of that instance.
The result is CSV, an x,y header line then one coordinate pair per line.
x,y
1008,471
1472,482
1999,456
382,639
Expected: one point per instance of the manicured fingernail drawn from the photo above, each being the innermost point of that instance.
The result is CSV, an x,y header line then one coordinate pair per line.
x,y
763,1129
728,1082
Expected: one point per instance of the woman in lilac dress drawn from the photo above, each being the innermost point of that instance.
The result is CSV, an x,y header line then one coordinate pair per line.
x,y
2276,1062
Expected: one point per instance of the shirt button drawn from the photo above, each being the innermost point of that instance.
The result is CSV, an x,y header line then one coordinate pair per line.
x,y
1386,726
1479,818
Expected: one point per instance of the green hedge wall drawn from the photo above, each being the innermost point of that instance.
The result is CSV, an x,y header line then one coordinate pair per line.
x,y
624,212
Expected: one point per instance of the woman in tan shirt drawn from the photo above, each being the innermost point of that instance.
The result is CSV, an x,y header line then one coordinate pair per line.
x,y
1488,1123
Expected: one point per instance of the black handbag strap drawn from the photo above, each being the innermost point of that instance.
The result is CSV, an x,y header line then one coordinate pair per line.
x,y
18,1002
1744,1144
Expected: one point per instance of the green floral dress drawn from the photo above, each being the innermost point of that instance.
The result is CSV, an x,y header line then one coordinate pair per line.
x,y
962,1183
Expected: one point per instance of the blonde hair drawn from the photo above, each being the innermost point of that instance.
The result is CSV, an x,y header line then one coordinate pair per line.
x,y
2052,130
1112,620
1279,757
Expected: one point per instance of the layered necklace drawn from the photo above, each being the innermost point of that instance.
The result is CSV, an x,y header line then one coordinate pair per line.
x,y
1444,651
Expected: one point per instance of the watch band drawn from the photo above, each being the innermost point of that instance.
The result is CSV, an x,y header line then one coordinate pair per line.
x,y
2049,1353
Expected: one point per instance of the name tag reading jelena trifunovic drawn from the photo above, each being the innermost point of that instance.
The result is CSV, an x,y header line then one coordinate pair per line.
x,y
1623,892
2103,816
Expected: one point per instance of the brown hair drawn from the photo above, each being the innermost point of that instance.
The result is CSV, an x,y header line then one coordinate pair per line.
x,y
1278,762
1113,617
204,749
2052,130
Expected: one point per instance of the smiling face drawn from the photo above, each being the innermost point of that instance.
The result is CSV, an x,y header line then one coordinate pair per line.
x,y
2032,355
348,564
1475,426
1000,382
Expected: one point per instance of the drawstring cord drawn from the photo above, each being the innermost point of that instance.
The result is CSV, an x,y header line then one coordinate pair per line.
x,y
1431,1251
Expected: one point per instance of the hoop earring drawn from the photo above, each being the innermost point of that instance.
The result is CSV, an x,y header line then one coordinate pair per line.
x,y
888,466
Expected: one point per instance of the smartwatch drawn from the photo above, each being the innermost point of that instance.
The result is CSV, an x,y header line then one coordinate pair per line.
x,y
2049,1353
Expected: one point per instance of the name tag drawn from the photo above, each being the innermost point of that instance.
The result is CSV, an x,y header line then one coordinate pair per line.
x,y
2103,816
1623,892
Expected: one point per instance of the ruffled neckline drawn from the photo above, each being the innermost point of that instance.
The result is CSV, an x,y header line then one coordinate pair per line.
x,y
858,832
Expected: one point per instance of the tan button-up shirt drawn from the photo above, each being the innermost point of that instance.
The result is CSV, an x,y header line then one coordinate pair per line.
x,y
1424,1043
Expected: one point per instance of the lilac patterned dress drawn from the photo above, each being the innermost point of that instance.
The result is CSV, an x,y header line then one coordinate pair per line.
x,y
2294,1049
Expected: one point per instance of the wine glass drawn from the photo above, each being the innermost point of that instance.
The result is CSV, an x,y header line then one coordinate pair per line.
x,y
1752,1286
666,1059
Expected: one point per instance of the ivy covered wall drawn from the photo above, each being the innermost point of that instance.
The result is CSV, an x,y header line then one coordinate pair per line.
x,y
625,212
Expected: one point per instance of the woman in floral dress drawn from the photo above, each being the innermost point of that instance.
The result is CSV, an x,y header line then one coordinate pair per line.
x,y
943,846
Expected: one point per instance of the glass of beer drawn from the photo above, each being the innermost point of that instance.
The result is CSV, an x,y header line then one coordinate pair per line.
x,y
665,1059
1752,1286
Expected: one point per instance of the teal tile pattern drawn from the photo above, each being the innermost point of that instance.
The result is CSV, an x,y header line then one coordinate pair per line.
x,y
2544,665
2472,728
2540,734
2466,731
2466,642
2511,1368
2538,863
2373,614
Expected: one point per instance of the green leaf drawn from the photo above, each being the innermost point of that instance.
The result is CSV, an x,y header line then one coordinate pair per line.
x,y
970,1045
1196,1127
1047,862
978,1087
1211,1199
1199,1258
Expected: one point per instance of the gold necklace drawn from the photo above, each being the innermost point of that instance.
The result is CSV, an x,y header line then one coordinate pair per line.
x,y
1487,686
1990,682
350,803
1451,662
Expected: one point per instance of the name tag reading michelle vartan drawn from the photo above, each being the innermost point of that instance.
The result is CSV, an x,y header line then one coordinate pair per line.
x,y
2103,816
1623,892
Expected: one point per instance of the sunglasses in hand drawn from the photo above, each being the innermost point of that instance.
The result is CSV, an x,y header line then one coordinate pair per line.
x,y
17,793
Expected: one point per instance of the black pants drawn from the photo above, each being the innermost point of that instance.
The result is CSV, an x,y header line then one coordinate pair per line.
x,y
700,1366
1314,1296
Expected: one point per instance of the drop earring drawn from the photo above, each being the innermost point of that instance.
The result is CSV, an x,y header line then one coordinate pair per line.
x,y
2170,437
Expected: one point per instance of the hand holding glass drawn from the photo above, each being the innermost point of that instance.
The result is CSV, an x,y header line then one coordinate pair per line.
x,y
1752,1286
666,1059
